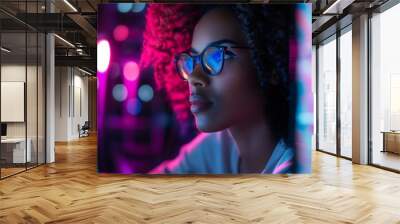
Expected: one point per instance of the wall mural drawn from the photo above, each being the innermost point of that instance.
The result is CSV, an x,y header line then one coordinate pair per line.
x,y
204,89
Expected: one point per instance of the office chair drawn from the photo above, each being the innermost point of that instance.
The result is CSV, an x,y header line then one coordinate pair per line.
x,y
84,130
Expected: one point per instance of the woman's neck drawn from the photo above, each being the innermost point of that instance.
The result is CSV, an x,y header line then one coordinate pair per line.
x,y
255,143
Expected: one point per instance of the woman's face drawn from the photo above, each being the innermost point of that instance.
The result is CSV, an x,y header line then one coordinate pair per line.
x,y
232,97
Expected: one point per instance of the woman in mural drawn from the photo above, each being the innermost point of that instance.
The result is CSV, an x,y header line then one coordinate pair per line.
x,y
237,73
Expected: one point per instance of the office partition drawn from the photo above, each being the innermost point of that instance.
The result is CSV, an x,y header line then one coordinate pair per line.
x,y
22,77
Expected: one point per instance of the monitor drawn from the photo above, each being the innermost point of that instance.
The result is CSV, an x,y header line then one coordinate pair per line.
x,y
3,129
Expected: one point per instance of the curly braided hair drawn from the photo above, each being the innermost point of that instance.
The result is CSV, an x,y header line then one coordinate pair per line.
x,y
169,29
268,30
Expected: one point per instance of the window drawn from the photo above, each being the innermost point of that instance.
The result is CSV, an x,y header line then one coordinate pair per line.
x,y
385,88
346,92
327,96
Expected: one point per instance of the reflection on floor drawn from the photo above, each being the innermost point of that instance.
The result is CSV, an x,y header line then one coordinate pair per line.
x,y
386,159
11,169
71,191
346,152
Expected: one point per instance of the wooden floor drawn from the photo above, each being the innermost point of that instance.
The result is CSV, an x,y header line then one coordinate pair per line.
x,y
70,191
10,171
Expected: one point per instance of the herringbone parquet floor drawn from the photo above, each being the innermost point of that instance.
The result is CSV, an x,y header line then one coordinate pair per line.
x,y
70,191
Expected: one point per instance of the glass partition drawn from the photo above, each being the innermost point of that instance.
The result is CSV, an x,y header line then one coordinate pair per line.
x,y
14,152
22,88
385,89
327,96
32,96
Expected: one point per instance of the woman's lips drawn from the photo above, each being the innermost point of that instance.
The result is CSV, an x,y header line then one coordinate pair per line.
x,y
199,103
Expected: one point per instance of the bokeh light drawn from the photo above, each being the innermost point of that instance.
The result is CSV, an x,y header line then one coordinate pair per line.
x,y
131,71
124,7
133,106
119,92
145,93
138,7
121,33
103,55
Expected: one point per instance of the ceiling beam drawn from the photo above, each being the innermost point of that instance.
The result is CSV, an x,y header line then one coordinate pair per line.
x,y
83,61
337,6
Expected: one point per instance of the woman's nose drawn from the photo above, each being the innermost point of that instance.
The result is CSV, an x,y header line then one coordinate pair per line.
x,y
198,78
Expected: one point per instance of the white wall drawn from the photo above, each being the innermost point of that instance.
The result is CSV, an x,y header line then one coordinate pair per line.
x,y
12,73
12,101
80,100
61,103
16,73
71,93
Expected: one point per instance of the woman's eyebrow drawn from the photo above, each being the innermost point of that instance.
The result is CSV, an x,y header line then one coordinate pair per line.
x,y
216,43
223,41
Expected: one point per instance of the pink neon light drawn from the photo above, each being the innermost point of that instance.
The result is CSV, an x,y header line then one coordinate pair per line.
x,y
120,33
282,166
103,55
131,71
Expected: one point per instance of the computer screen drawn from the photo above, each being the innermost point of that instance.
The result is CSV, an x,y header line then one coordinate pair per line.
x,y
3,129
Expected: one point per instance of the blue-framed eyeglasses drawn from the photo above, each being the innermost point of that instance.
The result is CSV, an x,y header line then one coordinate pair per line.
x,y
211,59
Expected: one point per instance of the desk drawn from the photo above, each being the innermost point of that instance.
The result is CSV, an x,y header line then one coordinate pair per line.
x,y
15,148
391,141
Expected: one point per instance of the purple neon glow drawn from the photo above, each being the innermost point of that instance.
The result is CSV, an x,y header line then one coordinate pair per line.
x,y
282,166
131,71
103,55
185,150
133,106
121,33
304,110
139,128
